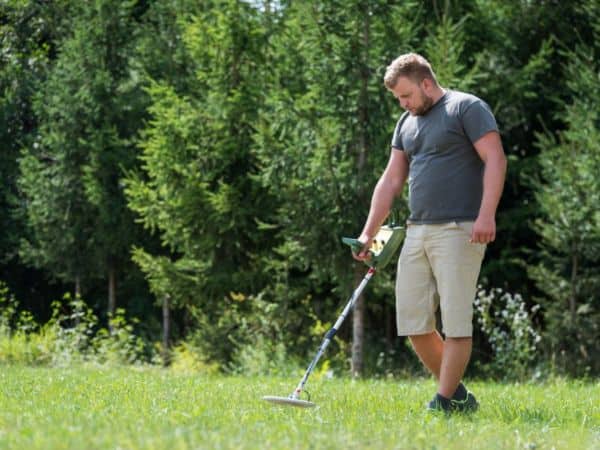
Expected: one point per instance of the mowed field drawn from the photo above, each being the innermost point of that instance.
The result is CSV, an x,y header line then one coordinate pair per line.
x,y
132,408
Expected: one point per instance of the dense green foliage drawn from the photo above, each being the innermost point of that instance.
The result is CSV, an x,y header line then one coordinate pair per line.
x,y
207,157
568,195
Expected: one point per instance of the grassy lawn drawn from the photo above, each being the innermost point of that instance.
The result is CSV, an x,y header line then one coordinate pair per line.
x,y
98,408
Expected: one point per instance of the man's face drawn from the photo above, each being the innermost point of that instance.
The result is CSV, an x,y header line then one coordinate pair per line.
x,y
412,96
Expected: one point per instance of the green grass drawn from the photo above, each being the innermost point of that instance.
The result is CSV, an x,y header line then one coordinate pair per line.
x,y
98,408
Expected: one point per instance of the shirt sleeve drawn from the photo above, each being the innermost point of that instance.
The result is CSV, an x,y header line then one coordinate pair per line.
x,y
478,120
397,137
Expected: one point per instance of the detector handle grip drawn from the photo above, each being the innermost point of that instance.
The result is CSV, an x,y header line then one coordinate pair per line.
x,y
354,244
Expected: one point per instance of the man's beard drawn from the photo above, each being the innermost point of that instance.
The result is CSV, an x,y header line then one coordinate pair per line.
x,y
426,104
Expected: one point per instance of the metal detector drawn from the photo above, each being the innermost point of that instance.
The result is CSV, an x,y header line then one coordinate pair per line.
x,y
384,245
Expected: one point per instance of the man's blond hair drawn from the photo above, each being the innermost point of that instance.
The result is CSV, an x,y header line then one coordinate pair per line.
x,y
409,65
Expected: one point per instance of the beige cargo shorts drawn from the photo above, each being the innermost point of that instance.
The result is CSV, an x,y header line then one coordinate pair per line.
x,y
438,267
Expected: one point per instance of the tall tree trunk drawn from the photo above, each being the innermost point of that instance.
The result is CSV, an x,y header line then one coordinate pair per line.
x,y
573,297
359,309
358,327
166,316
77,295
390,327
112,290
77,287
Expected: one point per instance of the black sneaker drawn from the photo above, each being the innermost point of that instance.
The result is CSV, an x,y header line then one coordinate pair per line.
x,y
440,403
449,405
467,405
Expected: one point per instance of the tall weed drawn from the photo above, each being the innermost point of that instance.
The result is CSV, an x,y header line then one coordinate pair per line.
x,y
507,324
72,335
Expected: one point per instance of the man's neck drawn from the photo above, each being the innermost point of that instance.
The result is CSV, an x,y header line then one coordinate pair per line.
x,y
438,93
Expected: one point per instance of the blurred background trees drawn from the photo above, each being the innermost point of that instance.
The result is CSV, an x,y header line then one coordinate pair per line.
x,y
207,156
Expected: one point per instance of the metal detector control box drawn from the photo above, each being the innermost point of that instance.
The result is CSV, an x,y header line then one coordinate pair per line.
x,y
383,247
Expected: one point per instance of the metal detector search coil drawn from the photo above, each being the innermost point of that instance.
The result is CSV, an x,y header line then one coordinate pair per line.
x,y
384,246
291,401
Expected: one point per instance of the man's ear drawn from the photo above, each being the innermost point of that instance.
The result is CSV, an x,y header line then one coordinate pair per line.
x,y
426,85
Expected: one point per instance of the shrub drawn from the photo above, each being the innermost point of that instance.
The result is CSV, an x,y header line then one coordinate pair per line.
x,y
72,335
185,358
507,324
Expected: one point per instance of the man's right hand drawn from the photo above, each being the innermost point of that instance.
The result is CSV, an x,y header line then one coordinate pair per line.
x,y
364,254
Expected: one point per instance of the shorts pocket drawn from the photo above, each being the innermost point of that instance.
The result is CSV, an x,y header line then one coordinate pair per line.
x,y
467,227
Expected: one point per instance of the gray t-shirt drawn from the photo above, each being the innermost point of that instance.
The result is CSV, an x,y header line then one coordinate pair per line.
x,y
446,173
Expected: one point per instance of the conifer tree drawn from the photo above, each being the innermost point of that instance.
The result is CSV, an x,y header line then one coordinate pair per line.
x,y
79,228
568,194
27,33
196,189
323,140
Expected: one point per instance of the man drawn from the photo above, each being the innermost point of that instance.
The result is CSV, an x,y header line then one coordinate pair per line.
x,y
448,146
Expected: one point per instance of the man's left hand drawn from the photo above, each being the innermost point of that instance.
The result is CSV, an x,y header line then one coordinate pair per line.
x,y
484,230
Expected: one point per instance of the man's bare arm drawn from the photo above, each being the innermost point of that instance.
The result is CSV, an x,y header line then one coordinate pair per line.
x,y
489,148
389,185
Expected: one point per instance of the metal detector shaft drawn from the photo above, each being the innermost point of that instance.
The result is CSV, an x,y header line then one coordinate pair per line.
x,y
331,333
